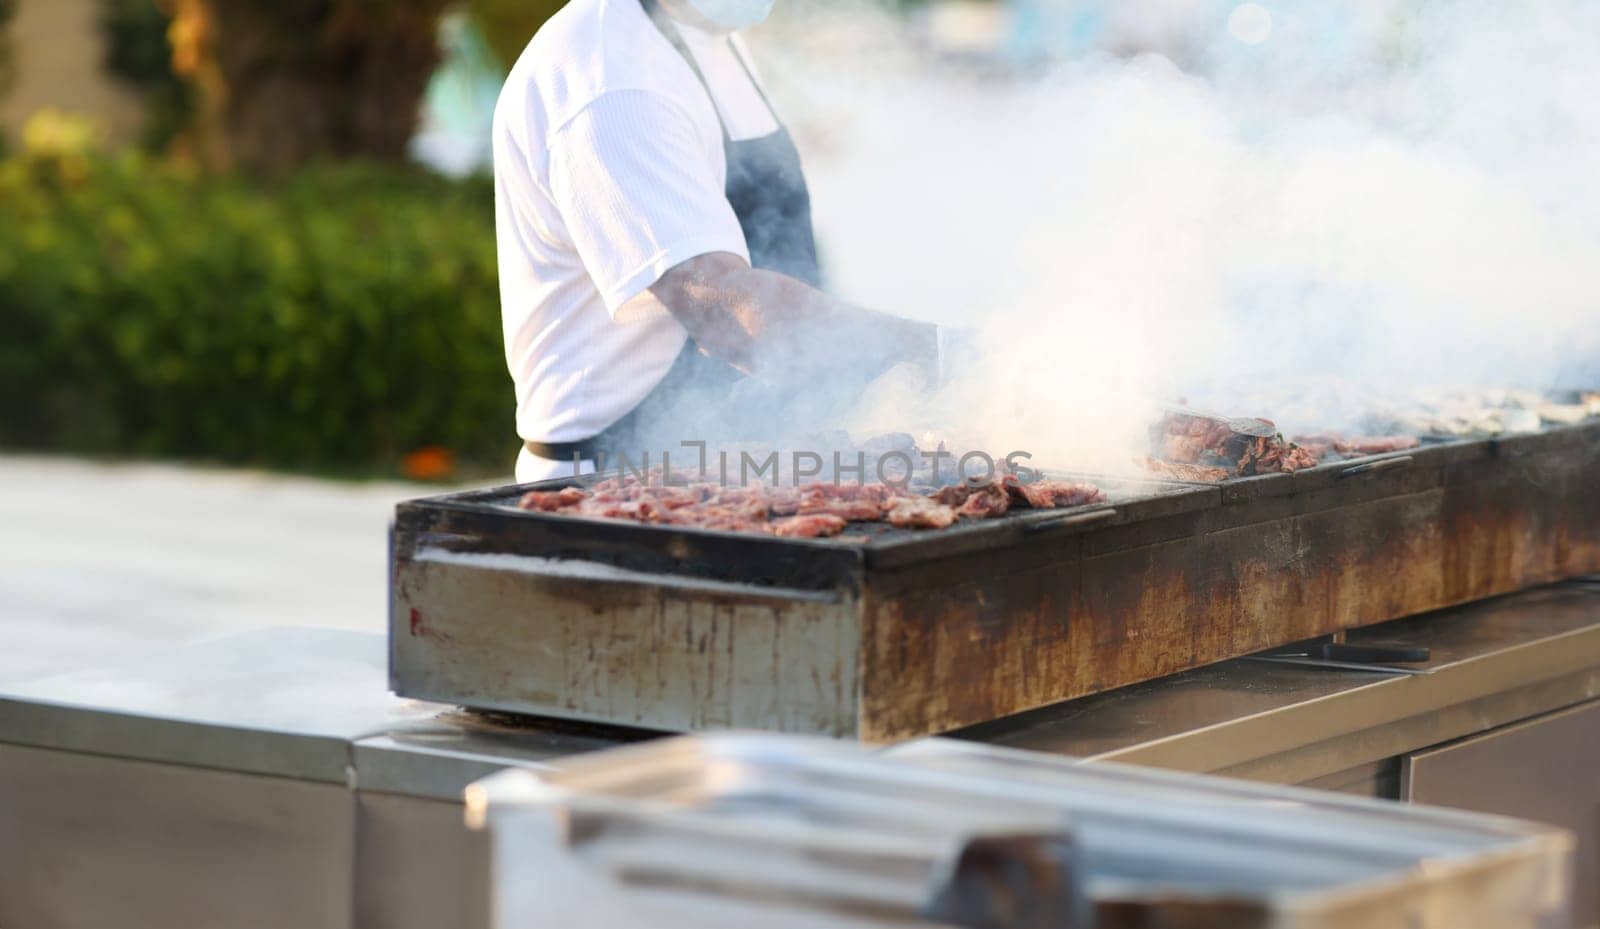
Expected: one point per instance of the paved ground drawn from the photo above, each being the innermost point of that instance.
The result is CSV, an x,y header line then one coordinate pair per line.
x,y
100,560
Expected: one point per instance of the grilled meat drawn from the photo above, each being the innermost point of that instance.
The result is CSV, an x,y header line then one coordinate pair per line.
x,y
853,502
1184,472
814,510
812,526
1189,439
919,513
1273,455
1239,447
988,500
548,501
1046,495
1320,444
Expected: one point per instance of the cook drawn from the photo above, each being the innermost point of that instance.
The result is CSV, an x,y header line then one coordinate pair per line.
x,y
655,243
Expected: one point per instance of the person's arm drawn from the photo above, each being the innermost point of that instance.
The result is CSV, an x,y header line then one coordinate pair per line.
x,y
646,211
781,330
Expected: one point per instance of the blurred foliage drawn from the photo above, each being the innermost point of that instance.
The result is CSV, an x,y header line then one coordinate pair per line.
x,y
137,51
507,25
342,319
64,140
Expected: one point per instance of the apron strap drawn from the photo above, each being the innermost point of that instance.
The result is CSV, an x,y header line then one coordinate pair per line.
x,y
751,74
669,31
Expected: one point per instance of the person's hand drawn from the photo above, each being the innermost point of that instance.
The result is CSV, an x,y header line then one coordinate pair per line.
x,y
958,351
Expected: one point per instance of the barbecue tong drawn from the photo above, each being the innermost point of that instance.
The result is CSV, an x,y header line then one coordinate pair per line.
x,y
1334,654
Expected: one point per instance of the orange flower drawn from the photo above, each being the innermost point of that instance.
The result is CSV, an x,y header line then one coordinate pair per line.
x,y
428,464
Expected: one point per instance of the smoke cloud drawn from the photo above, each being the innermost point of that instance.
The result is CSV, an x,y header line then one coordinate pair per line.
x,y
1295,216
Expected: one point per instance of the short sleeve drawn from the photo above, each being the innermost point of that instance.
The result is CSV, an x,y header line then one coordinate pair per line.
x,y
638,192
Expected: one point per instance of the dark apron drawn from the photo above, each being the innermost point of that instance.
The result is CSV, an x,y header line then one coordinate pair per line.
x,y
767,191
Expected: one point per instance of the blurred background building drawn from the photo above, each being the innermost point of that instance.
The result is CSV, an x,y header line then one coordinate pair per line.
x,y
56,54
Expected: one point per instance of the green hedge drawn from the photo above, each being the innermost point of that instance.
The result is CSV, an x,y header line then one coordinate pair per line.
x,y
331,321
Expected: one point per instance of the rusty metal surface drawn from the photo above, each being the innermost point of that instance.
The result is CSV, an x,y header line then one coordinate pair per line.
x,y
1493,663
903,636
1289,557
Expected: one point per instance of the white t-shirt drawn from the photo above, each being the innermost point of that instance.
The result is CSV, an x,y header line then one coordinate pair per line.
x,y
609,170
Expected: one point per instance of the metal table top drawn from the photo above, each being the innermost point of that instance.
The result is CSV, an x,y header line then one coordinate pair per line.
x,y
311,704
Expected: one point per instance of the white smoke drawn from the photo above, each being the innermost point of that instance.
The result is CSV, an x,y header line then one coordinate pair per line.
x,y
1293,220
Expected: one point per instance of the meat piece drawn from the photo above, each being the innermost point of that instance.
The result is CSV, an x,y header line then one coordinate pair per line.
x,y
954,494
855,511
823,490
1047,495
721,521
675,497
1297,458
1239,446
919,513
1318,444
1377,444
1185,472
743,508
986,501
642,510
807,527
549,501
1271,455
853,502
1190,439
783,501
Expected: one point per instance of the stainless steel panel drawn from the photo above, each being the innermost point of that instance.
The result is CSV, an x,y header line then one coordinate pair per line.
x,y
796,827
439,758
217,784
527,635
418,866
90,842
1379,780
1546,769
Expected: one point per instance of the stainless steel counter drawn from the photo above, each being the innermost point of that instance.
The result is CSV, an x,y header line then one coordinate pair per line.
x,y
275,769
264,779
308,704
